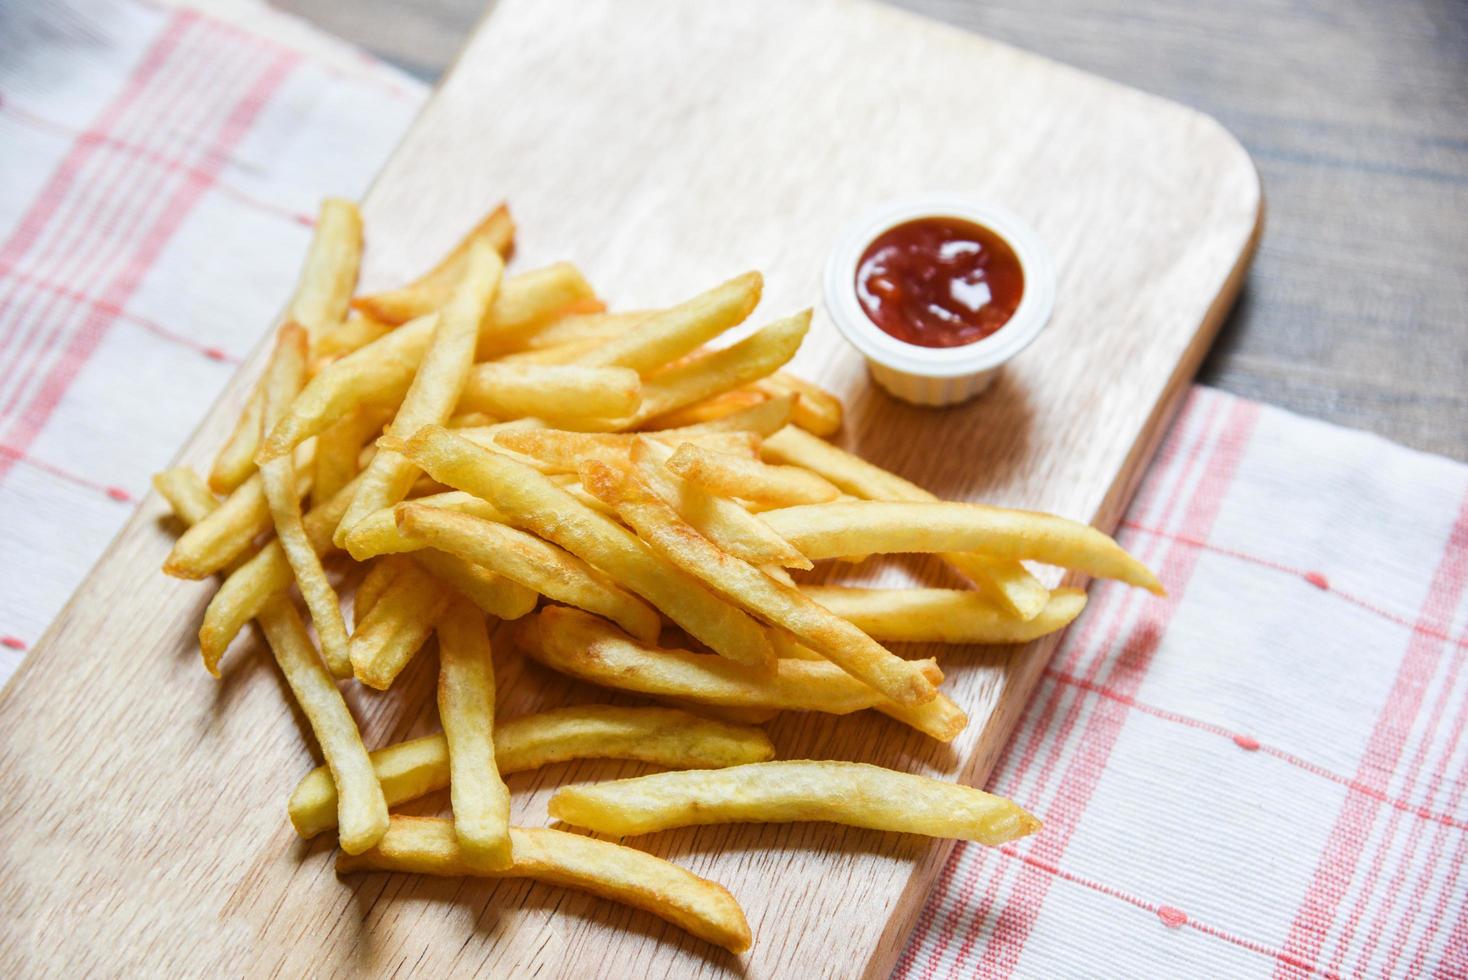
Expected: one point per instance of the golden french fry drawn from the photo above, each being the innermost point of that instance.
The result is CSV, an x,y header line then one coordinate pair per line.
x,y
527,301
435,389
834,638
666,336
283,378
187,494
355,332
250,586
378,534
748,479
480,798
764,418
435,287
722,370
535,564
552,391
228,532
338,450
380,575
236,459
851,793
709,411
591,649
943,615
426,845
494,594
533,501
330,271
361,809
562,452
576,329
665,737
1008,582
564,354
719,519
816,410
397,626
885,527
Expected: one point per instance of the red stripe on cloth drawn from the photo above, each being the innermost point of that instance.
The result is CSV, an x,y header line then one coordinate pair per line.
x,y
123,285
1341,858
113,492
1105,724
1198,417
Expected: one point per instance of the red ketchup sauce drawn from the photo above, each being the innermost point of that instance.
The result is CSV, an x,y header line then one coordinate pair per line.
x,y
939,282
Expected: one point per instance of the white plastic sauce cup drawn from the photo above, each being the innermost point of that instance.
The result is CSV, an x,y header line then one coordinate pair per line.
x,y
939,375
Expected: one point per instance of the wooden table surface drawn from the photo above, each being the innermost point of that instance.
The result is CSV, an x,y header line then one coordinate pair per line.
x,y
1356,112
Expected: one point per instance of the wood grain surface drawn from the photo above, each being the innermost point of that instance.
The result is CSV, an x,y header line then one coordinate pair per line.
x,y
663,145
1356,113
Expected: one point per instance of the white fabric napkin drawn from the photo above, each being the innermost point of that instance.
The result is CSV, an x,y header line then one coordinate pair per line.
x,y
1263,774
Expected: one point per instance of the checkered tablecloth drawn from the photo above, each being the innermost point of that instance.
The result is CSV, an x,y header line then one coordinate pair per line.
x,y
1262,774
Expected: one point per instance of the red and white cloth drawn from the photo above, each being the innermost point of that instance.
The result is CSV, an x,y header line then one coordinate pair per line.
x,y
1263,774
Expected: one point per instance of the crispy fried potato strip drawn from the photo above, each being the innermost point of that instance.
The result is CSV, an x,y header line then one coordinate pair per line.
x,y
764,418
834,638
531,500
709,411
480,798
426,845
557,392
338,450
666,336
592,650
563,452
748,479
851,793
1007,582
361,809
396,627
236,459
435,288
494,594
329,275
186,493
667,737
885,527
943,615
536,564
378,534
380,574
576,330
816,410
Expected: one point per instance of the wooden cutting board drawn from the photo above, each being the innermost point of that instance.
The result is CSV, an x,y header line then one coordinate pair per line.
x,y
663,145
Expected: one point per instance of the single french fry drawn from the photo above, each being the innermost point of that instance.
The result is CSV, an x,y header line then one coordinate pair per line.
x,y
528,301
562,451
555,392
536,564
591,649
187,494
564,354
283,378
719,371
721,520
748,479
666,336
494,594
397,626
763,418
582,328
380,574
816,410
435,288
236,460
266,574
943,615
885,527
427,845
435,389
330,271
834,638
480,798
534,502
355,332
851,793
378,533
1007,582
667,737
361,809
339,448
708,411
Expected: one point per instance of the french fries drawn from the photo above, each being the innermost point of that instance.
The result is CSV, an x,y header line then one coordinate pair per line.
x,y
534,502
829,635
480,798
563,452
590,649
559,393
885,527
380,574
396,627
236,459
228,532
187,495
435,388
666,737
330,273
538,565
943,615
378,534
425,845
435,288
816,410
763,418
851,793
761,483
666,336
494,594
338,450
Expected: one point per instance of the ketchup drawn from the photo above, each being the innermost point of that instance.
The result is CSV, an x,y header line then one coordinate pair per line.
x,y
939,282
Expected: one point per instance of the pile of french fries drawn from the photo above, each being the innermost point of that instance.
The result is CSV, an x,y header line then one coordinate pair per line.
x,y
498,449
